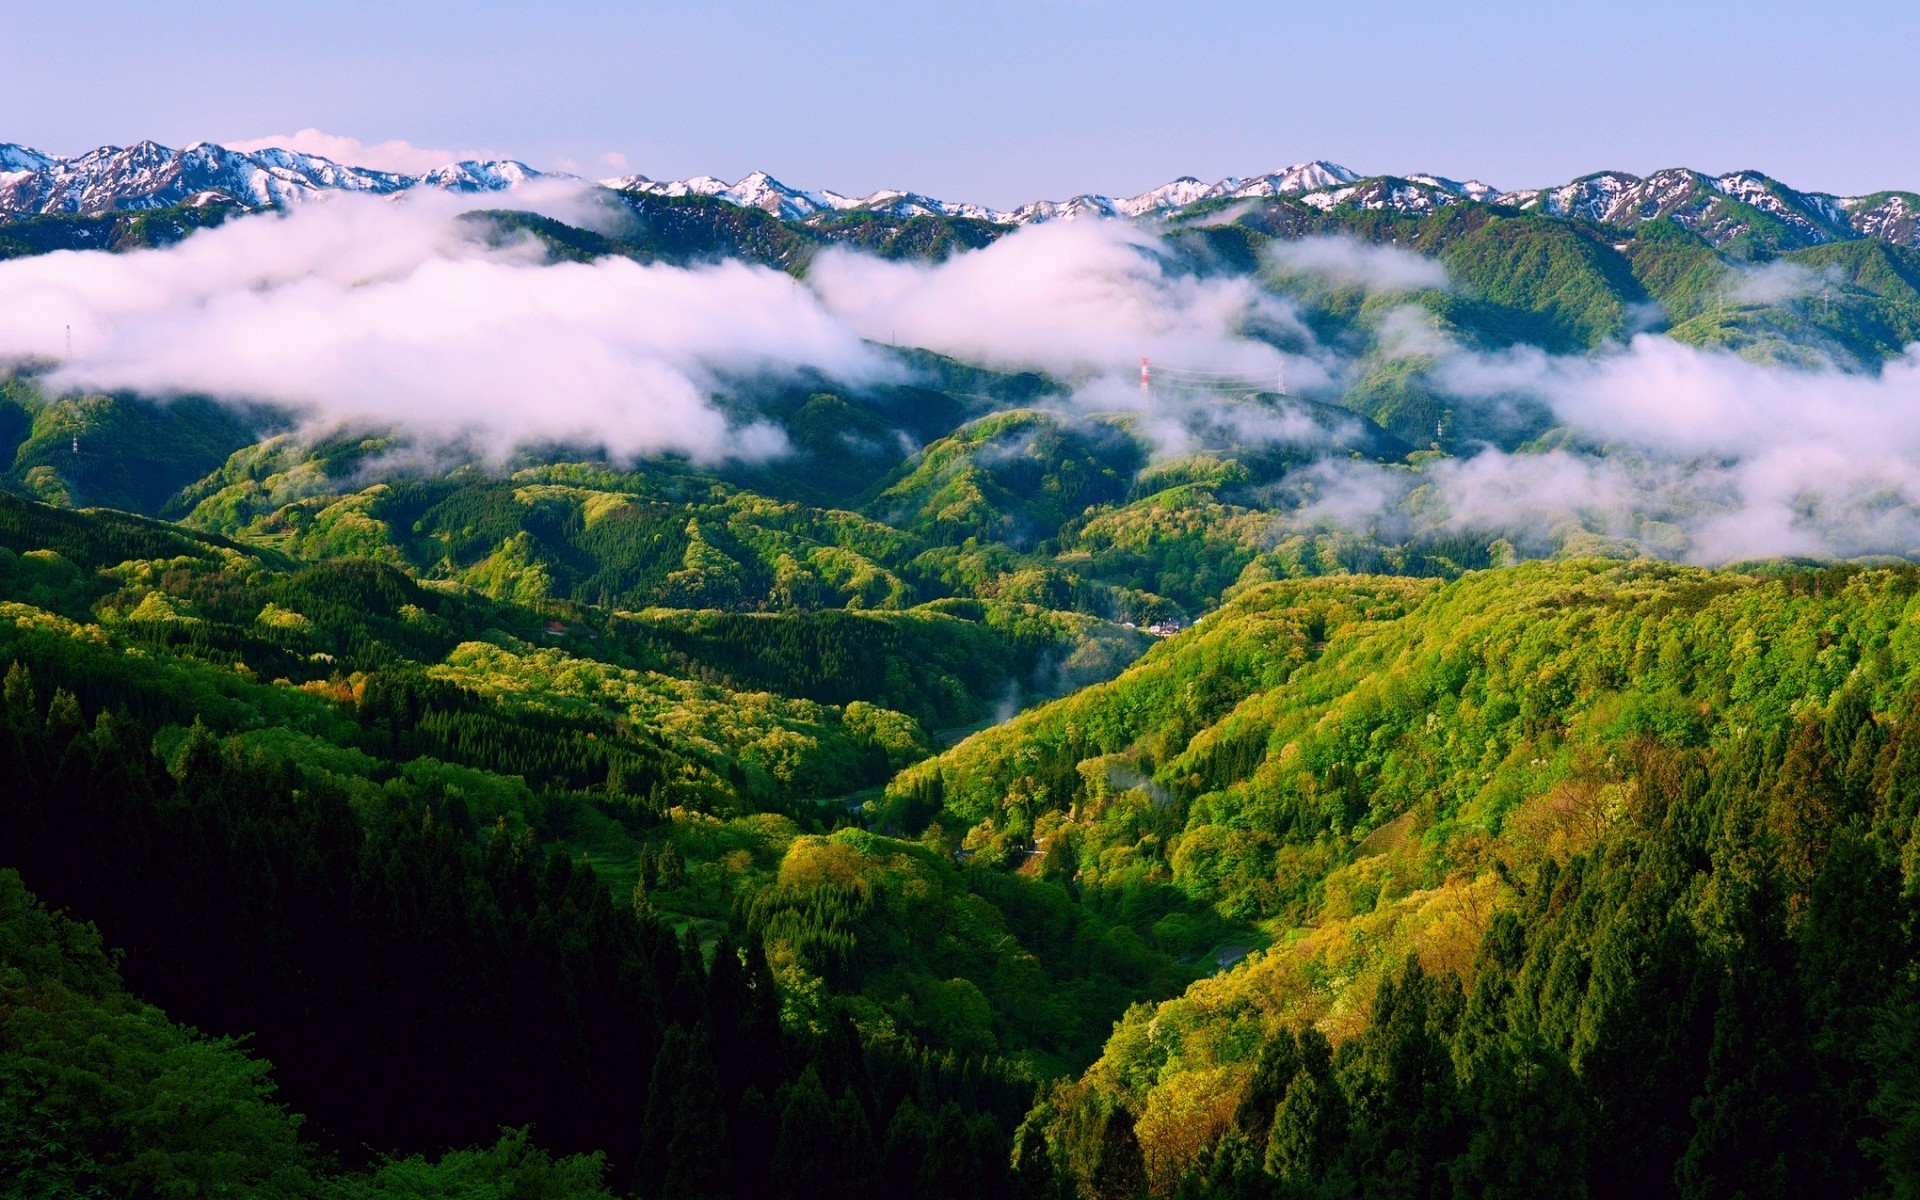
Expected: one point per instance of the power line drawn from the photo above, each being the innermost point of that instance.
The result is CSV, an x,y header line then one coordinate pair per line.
x,y
1216,374
1203,379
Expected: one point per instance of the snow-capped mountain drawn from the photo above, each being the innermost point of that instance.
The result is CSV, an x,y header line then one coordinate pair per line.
x,y
1721,208
148,175
763,191
1890,216
758,190
1296,180
19,158
1323,184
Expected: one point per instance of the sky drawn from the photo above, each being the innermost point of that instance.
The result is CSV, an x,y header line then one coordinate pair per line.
x,y
998,102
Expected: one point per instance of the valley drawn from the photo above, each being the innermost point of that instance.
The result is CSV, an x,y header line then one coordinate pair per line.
x,y
791,708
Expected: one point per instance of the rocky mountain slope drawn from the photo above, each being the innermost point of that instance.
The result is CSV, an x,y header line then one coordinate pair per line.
x,y
1723,209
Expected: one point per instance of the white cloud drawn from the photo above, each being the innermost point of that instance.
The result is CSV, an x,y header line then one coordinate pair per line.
x,y
375,312
370,310
1085,301
1779,281
403,158
1345,260
1707,457
381,312
1409,331
1073,298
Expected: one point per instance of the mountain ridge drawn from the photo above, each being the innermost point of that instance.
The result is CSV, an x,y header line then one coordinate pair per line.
x,y
1722,208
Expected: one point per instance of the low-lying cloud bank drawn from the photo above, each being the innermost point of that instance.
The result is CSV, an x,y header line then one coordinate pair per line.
x,y
388,311
1070,298
397,313
1690,453
1344,261
369,311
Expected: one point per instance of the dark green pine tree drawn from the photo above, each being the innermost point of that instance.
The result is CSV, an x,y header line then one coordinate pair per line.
x,y
1309,1127
904,1151
696,1167
1234,1171
854,1167
803,1156
1119,1169
663,1092
1034,1176
1752,1119
1893,1048
1279,1062
755,1128
22,708
1529,1128
1642,1045
1399,1080
1858,942
966,1159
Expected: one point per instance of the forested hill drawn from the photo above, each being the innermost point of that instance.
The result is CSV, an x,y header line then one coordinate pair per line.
x,y
699,702
1590,877
1586,879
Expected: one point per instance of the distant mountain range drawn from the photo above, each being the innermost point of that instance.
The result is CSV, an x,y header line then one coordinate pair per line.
x,y
148,175
1720,208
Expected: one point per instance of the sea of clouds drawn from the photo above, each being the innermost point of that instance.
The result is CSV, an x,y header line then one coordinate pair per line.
x,y
400,313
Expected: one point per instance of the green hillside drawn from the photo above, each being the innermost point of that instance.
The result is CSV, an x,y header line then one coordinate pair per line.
x,y
1489,821
1335,786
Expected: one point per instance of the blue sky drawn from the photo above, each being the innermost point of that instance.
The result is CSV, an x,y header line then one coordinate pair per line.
x,y
1001,102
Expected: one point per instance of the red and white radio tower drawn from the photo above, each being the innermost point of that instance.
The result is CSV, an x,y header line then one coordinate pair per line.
x,y
1146,378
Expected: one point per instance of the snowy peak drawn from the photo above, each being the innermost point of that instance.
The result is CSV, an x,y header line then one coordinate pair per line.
x,y
758,190
1415,196
761,190
1890,216
492,175
1308,177
1295,180
1723,209
1590,197
19,158
891,203
147,175
1472,189
1178,194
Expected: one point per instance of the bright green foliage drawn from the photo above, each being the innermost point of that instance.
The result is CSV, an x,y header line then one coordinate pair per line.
x,y
1637,917
1302,717
977,960
133,453
101,1095
1559,286
511,1169
606,795
495,713
1015,478
938,663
